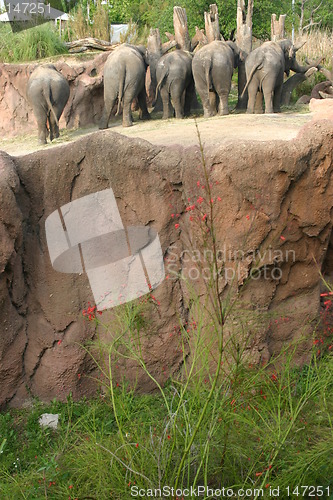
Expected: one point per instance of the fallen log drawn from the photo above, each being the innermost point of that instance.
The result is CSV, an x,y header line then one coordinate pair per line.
x,y
89,44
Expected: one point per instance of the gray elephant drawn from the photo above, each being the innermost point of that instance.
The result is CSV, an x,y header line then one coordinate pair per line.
x,y
174,80
265,68
212,68
124,79
48,93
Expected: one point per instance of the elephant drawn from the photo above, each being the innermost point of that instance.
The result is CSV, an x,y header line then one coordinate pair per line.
x,y
47,92
265,68
212,68
124,78
174,79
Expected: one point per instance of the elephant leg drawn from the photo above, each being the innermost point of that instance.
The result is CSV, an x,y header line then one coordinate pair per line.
x,y
40,113
127,114
277,99
176,91
252,93
143,114
54,127
109,102
259,109
167,108
223,104
189,93
268,92
213,102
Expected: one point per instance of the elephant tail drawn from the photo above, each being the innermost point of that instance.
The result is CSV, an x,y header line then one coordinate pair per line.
x,y
253,70
161,82
46,93
121,90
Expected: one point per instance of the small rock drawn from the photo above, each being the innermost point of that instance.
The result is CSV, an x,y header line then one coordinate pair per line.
x,y
49,420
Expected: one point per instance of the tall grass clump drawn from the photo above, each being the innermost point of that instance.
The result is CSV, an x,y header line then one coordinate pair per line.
x,y
318,43
31,44
97,25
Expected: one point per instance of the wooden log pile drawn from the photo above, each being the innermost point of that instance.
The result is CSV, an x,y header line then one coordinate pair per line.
x,y
89,44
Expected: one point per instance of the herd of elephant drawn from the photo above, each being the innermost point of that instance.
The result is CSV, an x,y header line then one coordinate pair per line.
x,y
175,75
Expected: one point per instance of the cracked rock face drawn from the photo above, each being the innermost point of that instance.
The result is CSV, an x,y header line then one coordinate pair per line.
x,y
84,106
272,203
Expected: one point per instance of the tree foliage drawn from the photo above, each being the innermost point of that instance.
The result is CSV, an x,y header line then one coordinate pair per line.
x,y
159,13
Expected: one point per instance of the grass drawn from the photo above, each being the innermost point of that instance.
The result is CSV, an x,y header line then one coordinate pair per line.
x,y
318,43
29,45
278,425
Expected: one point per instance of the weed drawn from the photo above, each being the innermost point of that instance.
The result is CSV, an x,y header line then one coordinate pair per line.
x,y
29,45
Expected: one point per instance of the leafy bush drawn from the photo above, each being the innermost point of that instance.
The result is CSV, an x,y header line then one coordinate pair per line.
x,y
29,45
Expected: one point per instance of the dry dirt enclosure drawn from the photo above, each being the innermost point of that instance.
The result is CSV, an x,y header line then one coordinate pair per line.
x,y
217,130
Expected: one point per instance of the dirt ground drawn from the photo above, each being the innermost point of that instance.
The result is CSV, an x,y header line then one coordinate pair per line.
x,y
216,130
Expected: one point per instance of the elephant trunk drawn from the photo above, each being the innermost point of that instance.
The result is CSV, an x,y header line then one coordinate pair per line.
x,y
297,68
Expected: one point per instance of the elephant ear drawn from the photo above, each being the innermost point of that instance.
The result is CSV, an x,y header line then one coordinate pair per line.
x,y
295,48
299,45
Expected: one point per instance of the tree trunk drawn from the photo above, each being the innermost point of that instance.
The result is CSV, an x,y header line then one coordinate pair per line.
x,y
292,82
154,49
244,42
154,44
212,26
199,39
277,27
181,30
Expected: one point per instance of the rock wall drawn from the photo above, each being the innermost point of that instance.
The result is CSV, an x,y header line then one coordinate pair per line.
x,y
84,106
273,211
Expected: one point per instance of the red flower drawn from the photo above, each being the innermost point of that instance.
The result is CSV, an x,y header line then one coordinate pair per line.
x,y
176,226
137,445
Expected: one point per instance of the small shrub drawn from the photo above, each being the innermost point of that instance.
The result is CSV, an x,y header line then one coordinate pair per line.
x,y
29,45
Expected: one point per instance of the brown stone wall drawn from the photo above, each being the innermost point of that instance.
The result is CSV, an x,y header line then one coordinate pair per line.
x,y
84,106
276,196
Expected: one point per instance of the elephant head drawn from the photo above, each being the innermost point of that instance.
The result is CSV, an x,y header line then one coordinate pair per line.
x,y
239,55
289,51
